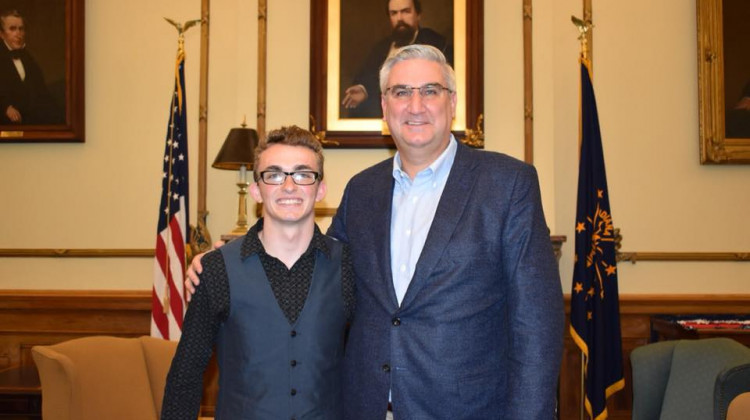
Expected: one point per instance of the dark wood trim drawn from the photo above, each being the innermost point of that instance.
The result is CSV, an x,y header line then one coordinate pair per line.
x,y
32,317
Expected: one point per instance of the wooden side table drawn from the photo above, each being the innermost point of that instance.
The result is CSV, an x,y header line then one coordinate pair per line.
x,y
668,328
20,393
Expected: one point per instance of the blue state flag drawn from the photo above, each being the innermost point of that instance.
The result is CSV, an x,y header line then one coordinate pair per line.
x,y
594,302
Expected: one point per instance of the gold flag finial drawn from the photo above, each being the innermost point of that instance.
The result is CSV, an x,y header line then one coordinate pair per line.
x,y
182,28
584,26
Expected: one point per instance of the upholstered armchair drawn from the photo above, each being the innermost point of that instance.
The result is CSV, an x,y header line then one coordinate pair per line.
x,y
732,394
103,377
677,379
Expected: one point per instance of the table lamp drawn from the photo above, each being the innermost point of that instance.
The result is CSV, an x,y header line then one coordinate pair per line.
x,y
237,152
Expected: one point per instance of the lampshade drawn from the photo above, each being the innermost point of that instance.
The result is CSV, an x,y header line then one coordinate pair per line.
x,y
238,149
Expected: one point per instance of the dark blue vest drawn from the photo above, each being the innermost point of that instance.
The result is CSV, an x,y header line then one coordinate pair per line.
x,y
269,369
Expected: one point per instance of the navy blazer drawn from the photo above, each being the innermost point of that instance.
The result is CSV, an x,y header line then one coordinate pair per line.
x,y
479,332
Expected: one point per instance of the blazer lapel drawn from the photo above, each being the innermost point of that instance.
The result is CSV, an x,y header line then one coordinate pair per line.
x,y
379,213
450,208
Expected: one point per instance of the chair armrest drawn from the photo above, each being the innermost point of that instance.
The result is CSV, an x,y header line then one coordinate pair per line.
x,y
729,384
57,386
651,367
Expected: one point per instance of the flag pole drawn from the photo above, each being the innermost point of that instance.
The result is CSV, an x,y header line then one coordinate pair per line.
x,y
583,28
200,237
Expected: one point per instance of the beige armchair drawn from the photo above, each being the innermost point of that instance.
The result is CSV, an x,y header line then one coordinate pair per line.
x,y
103,377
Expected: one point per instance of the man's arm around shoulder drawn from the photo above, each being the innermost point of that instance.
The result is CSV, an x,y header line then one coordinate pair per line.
x,y
206,312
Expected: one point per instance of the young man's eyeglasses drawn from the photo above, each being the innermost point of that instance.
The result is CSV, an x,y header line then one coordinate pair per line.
x,y
298,177
427,92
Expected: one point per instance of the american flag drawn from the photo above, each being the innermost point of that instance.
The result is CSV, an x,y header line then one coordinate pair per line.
x,y
172,234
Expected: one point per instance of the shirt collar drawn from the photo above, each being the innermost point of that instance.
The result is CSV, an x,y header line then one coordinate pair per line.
x,y
438,167
251,243
11,49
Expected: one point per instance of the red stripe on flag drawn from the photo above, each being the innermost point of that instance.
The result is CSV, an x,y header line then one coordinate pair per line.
x,y
175,284
161,255
178,242
160,318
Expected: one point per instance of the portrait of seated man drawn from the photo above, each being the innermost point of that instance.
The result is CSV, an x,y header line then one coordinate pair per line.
x,y
362,98
24,95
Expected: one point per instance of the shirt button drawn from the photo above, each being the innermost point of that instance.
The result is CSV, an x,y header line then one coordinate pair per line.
x,y
293,333
294,392
396,322
386,368
414,200
403,267
293,363
408,232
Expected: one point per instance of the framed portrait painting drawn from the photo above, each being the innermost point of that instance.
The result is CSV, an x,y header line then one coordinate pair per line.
x,y
351,39
42,71
724,81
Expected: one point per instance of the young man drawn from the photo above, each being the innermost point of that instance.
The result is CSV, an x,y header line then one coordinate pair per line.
x,y
276,303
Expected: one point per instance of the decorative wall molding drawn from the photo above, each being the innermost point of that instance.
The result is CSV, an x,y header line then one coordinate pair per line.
x,y
634,257
76,253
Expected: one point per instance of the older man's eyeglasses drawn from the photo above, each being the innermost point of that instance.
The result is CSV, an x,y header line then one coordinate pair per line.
x,y
427,92
298,177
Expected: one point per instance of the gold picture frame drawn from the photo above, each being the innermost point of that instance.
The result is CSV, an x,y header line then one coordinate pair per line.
x,y
335,131
55,35
715,146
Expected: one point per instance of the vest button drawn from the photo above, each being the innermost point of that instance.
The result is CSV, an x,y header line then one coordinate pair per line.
x,y
294,392
293,363
386,368
396,322
293,333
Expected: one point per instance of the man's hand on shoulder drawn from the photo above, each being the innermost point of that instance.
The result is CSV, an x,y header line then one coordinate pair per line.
x,y
192,279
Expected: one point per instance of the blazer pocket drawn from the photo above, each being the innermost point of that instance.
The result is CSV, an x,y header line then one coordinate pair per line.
x,y
482,391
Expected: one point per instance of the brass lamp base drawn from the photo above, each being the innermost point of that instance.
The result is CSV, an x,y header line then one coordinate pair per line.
x,y
241,228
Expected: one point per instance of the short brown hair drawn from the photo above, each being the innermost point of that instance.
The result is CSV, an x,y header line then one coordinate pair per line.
x,y
290,136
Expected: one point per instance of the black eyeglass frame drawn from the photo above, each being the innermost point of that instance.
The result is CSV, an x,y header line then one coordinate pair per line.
x,y
262,177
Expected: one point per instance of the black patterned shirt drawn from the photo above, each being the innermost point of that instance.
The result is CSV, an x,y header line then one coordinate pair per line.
x,y
209,308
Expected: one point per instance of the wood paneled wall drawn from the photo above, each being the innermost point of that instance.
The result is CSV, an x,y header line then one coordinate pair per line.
x,y
29,318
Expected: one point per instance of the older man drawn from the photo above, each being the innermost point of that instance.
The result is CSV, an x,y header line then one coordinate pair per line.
x,y
460,309
24,97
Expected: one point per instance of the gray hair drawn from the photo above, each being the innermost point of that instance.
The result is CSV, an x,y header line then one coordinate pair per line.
x,y
421,52
9,13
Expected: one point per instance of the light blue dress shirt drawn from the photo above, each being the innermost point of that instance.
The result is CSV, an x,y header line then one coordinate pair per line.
x,y
414,205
